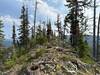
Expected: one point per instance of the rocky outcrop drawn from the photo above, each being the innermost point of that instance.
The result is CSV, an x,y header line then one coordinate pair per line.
x,y
55,61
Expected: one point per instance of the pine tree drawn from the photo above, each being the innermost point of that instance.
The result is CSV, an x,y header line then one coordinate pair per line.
x,y
1,33
14,35
58,25
39,31
40,35
44,29
32,32
78,25
84,50
75,18
72,19
24,28
49,30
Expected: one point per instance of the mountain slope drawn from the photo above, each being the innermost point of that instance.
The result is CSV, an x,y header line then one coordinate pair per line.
x,y
52,61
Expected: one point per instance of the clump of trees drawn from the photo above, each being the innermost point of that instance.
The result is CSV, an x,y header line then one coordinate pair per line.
x,y
78,25
28,37
24,28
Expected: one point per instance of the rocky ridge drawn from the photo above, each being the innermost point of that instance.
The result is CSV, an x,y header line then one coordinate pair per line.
x,y
53,61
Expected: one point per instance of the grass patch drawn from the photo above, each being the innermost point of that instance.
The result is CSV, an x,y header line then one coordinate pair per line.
x,y
65,58
88,60
9,63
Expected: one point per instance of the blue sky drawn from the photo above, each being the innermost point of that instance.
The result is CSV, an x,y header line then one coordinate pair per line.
x,y
10,12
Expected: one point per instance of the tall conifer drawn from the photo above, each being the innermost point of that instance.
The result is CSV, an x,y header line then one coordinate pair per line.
x,y
24,28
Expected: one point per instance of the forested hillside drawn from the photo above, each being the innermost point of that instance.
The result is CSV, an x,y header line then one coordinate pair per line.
x,y
64,45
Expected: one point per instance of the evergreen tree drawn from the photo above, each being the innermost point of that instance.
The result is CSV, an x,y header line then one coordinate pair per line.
x,y
58,25
44,29
1,33
78,25
32,32
24,28
84,50
72,19
75,18
39,31
64,26
40,36
49,30
14,35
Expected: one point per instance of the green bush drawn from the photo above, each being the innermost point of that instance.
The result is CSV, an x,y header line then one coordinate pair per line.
x,y
65,58
1,55
40,52
21,51
33,43
83,48
22,59
88,60
41,40
84,51
9,63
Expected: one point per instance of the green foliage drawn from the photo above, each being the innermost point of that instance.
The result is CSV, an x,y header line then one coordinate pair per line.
x,y
1,54
21,51
14,35
39,52
83,47
64,58
88,60
9,63
41,40
33,43
49,30
22,59
24,28
58,25
84,51
76,19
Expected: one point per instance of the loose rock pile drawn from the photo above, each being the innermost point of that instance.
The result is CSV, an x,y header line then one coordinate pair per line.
x,y
56,61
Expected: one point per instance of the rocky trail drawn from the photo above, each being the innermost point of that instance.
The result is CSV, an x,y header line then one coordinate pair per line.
x,y
54,61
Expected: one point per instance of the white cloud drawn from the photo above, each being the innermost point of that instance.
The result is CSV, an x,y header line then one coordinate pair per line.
x,y
47,10
7,19
90,14
59,1
44,8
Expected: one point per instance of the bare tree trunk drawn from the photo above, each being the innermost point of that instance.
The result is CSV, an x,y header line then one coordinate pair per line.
x,y
98,38
35,12
94,26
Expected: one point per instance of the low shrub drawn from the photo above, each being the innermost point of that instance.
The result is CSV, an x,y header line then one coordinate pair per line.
x,y
40,52
9,63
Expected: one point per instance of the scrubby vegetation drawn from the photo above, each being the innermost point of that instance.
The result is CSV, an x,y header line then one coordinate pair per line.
x,y
52,52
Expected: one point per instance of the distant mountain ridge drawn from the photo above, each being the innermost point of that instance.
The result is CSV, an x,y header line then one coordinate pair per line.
x,y
89,38
7,43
